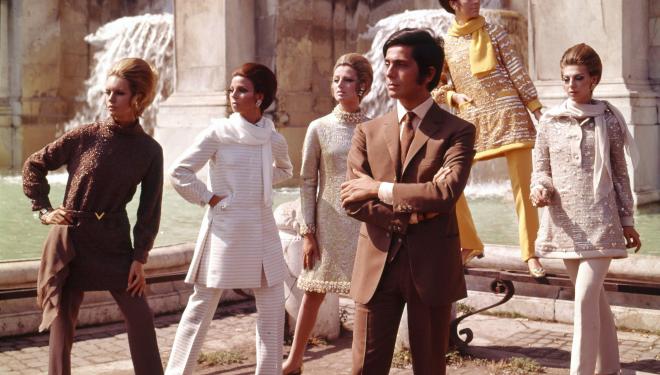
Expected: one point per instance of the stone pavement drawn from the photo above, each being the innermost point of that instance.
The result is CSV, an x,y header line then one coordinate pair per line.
x,y
104,349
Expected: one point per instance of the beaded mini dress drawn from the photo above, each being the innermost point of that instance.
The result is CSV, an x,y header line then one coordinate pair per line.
x,y
325,151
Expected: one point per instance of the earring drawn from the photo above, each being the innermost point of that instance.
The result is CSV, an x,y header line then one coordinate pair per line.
x,y
134,106
360,92
258,103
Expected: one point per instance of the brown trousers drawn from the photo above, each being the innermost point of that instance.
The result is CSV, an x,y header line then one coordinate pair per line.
x,y
139,326
376,324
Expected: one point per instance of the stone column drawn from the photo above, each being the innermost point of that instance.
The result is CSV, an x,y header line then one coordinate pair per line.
x,y
618,30
6,131
211,39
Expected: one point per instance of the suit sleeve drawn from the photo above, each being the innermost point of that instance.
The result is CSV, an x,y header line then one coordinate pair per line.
x,y
442,196
372,211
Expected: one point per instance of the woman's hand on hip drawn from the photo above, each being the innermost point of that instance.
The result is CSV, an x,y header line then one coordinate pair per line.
x,y
215,199
137,282
58,216
632,238
311,251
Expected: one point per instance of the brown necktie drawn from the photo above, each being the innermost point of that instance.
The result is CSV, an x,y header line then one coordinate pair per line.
x,y
407,135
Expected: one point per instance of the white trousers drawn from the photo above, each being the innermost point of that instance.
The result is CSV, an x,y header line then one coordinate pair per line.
x,y
199,313
595,347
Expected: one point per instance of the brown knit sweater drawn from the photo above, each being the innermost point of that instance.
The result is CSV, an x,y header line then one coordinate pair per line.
x,y
106,162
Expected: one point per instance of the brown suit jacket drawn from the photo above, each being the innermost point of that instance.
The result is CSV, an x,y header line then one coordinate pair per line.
x,y
441,139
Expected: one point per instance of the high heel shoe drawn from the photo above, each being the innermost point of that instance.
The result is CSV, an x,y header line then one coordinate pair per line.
x,y
469,254
536,272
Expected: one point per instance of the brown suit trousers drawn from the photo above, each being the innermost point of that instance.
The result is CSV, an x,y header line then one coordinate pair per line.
x,y
375,331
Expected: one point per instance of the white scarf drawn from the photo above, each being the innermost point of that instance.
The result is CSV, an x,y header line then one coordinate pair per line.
x,y
236,129
602,166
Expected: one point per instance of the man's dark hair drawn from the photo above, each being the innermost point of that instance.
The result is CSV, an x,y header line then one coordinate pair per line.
x,y
427,51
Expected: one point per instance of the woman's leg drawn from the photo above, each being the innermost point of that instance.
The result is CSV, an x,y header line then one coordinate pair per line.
x,y
62,330
608,351
588,276
519,163
270,328
192,330
470,240
141,333
309,309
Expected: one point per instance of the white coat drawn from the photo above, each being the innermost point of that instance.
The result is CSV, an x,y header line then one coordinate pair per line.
x,y
238,237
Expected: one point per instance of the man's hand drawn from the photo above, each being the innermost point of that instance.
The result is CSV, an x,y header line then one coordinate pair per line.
x,y
359,189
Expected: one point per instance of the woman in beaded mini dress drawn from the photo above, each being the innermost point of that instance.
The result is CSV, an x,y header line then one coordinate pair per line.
x,y
580,174
329,235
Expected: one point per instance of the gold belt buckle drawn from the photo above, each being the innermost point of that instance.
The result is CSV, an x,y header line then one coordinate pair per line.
x,y
99,216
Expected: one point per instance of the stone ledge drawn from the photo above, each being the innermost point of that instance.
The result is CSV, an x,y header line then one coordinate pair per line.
x,y
22,316
556,310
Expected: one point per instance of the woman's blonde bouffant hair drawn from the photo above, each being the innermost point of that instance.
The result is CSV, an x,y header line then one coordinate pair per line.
x,y
142,79
361,66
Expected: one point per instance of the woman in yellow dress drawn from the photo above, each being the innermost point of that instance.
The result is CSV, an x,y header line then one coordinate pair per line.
x,y
490,88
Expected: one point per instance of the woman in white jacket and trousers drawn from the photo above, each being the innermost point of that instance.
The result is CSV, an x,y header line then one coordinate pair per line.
x,y
238,244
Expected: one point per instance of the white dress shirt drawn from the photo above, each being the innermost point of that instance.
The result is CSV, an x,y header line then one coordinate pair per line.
x,y
385,189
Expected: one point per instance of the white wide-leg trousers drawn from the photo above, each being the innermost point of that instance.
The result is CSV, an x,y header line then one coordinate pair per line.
x,y
199,313
595,347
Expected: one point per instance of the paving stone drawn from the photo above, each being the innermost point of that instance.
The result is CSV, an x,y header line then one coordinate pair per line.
x,y
233,328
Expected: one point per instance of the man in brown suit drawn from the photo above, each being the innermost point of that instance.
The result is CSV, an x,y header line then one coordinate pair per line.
x,y
406,170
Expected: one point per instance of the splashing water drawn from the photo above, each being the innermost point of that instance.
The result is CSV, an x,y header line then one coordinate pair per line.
x,y
377,102
149,37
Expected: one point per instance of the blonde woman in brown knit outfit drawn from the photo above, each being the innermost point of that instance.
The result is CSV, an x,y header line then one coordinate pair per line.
x,y
106,161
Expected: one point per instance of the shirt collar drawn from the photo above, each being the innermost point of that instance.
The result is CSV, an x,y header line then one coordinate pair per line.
x,y
420,111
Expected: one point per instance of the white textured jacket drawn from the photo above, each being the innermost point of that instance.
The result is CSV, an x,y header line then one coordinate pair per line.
x,y
238,237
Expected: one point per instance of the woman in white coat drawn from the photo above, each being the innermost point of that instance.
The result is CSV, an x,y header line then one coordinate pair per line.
x,y
238,244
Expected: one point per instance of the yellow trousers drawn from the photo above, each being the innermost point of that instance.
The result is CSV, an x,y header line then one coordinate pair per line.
x,y
519,163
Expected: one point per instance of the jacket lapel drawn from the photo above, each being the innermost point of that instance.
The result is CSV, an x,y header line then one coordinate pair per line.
x,y
430,124
391,136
